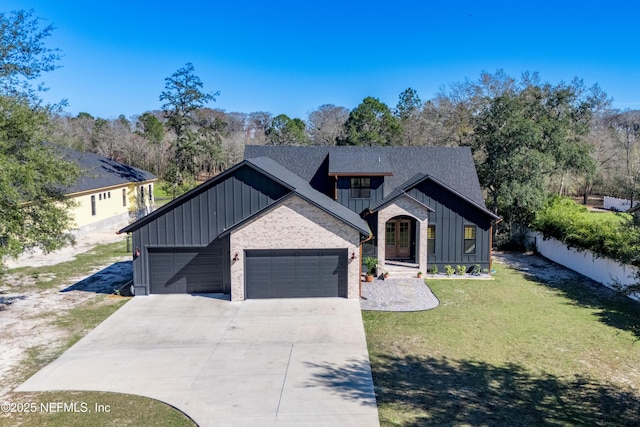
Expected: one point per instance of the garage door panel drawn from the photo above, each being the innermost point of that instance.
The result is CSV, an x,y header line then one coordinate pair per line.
x,y
187,270
296,273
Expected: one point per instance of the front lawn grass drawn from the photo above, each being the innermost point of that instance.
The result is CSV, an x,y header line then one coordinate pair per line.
x,y
91,408
512,351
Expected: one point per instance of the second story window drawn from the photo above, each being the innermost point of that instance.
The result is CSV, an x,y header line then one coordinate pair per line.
x,y
360,188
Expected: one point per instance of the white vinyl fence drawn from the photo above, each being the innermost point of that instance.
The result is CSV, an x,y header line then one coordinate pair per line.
x,y
602,270
616,204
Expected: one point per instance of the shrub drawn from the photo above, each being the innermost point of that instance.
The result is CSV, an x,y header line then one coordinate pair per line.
x,y
461,269
371,264
433,269
477,269
449,270
613,236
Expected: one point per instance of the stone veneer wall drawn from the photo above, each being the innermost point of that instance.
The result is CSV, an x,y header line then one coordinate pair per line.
x,y
295,224
404,205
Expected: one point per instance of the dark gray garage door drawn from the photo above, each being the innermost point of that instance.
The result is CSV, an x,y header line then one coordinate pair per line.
x,y
186,270
299,273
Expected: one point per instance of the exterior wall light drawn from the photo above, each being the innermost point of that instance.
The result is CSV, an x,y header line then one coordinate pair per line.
x,y
236,257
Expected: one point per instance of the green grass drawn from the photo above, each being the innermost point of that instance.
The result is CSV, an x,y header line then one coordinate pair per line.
x,y
159,194
508,352
94,409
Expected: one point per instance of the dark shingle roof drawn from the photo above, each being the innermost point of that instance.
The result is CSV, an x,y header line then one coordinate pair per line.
x,y
302,161
100,172
412,182
452,166
360,162
279,173
304,190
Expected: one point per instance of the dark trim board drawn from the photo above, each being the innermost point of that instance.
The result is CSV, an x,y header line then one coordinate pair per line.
x,y
295,273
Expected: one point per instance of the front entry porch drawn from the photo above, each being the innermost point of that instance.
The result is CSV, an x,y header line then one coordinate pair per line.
x,y
398,239
402,236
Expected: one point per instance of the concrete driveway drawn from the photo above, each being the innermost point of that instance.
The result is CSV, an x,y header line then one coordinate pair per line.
x,y
254,363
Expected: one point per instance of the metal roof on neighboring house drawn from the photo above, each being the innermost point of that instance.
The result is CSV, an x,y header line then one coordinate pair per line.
x,y
100,172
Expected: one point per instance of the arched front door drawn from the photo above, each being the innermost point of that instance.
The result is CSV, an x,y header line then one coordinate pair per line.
x,y
398,238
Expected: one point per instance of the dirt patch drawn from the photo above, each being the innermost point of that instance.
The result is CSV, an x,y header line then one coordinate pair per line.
x,y
83,244
28,314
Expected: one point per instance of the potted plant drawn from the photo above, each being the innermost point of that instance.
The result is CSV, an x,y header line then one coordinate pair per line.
x,y
419,274
371,264
386,274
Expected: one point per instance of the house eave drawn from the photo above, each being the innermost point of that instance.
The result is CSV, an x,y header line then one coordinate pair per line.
x,y
109,188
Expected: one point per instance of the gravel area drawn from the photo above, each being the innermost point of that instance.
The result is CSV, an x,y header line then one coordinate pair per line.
x,y
398,294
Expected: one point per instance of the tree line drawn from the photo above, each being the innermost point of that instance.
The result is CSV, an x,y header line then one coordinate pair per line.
x,y
529,138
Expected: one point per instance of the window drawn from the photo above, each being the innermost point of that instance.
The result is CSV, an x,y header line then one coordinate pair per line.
x,y
141,195
93,205
150,194
431,240
109,195
124,197
390,234
99,196
360,188
469,239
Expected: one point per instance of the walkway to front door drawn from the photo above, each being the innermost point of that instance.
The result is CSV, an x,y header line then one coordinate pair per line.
x,y
398,239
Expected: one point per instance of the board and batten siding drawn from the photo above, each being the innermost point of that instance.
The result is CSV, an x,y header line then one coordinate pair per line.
x,y
359,204
451,214
197,222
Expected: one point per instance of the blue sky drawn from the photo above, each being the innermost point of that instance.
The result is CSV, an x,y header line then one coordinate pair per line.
x,y
291,57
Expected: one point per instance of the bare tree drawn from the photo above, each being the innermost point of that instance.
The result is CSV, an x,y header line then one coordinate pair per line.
x,y
258,123
625,128
326,124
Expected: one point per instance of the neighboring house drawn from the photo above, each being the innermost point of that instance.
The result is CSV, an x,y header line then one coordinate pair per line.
x,y
108,194
297,222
